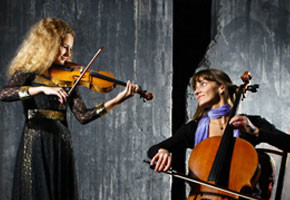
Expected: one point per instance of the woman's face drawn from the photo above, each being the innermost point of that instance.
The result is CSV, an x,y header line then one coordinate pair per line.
x,y
209,93
64,50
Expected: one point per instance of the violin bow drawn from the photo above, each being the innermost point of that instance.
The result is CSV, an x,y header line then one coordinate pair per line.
x,y
201,182
85,70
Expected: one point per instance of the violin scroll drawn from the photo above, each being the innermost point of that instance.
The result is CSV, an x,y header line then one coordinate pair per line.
x,y
146,96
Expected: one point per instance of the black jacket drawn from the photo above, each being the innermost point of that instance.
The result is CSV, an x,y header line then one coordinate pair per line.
x,y
185,136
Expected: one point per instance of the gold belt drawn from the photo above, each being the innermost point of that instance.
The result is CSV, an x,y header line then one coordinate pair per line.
x,y
47,114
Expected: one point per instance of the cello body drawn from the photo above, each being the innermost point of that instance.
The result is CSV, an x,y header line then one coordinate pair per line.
x,y
243,169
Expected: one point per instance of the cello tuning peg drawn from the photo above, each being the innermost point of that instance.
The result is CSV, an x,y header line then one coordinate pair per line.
x,y
253,88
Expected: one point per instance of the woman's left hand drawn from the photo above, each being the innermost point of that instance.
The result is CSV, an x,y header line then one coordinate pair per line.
x,y
130,90
242,122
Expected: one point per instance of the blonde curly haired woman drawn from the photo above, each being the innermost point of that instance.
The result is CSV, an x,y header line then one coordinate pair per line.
x,y
44,166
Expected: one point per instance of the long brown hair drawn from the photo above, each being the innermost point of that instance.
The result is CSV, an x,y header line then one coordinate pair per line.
x,y
221,78
40,46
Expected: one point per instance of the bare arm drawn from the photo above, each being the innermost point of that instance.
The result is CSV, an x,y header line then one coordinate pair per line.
x,y
129,91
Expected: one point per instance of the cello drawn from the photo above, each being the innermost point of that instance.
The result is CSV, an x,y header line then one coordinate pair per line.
x,y
224,166
230,162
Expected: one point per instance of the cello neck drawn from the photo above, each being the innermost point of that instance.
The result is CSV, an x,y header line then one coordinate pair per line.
x,y
221,167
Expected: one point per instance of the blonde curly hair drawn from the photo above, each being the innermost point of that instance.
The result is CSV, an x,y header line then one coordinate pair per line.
x,y
40,46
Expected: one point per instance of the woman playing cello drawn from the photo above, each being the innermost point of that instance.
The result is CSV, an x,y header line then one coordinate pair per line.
x,y
214,92
44,166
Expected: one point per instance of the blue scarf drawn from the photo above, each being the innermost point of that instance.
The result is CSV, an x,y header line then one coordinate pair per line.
x,y
202,129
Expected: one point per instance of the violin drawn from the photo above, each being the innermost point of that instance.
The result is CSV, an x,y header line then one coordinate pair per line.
x,y
70,74
66,75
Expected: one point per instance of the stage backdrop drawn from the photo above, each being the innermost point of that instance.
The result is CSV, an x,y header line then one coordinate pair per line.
x,y
137,35
109,152
254,36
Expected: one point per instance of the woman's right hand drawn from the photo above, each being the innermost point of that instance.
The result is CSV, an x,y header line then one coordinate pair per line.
x,y
163,161
57,91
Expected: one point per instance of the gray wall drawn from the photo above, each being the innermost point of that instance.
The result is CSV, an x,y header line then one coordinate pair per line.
x,y
254,36
247,35
137,36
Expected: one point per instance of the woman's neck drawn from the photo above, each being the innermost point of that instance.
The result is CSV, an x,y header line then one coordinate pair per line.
x,y
219,104
217,126
221,120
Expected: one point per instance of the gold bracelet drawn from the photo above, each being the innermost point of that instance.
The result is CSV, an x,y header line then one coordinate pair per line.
x,y
100,109
23,92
